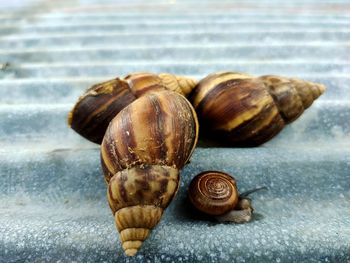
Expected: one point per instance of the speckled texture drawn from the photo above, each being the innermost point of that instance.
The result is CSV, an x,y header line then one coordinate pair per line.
x,y
305,214
53,205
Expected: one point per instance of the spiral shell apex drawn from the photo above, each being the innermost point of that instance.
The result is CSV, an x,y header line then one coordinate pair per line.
x,y
242,110
214,193
143,150
102,102
179,84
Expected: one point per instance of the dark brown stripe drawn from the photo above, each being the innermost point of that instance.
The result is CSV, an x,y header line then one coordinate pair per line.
x,y
157,120
163,185
288,101
142,184
145,178
122,178
110,193
190,140
213,94
159,195
127,142
92,123
269,131
203,83
107,173
113,154
228,100
180,130
97,126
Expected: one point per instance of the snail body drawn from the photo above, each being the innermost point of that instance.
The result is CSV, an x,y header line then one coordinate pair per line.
x,y
142,152
102,102
215,193
243,110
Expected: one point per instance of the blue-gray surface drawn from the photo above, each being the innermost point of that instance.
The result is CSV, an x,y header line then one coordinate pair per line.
x,y
52,195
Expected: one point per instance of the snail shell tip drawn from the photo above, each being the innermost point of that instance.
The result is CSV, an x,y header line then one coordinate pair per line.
x,y
134,224
70,118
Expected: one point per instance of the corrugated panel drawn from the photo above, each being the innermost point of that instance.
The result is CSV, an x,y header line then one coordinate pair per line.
x,y
53,205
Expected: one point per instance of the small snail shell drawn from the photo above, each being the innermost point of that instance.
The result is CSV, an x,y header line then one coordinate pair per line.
x,y
143,149
102,102
215,193
243,110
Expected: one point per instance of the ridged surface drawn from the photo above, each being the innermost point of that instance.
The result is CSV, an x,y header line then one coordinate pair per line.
x,y
53,198
134,224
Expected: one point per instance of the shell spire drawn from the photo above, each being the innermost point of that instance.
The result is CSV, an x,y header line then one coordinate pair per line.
x,y
180,84
143,150
292,96
134,225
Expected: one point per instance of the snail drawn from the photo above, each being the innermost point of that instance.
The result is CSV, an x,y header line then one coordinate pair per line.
x,y
94,110
145,146
215,193
242,110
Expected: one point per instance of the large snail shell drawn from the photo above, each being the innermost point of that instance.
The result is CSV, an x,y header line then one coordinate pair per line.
x,y
246,111
102,102
213,192
143,149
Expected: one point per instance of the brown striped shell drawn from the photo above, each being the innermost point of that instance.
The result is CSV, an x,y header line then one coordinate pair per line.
x,y
102,102
143,149
95,109
213,192
242,110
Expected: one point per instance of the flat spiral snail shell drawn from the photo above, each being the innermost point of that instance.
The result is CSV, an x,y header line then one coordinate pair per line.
x,y
213,193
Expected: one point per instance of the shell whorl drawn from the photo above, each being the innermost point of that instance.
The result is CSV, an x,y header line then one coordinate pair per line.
x,y
137,198
292,96
214,193
143,185
158,128
134,224
242,110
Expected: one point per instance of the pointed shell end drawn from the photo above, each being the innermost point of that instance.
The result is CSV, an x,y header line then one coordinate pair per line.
x,y
322,88
70,118
131,252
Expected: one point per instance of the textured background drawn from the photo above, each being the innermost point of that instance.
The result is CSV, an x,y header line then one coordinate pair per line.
x,y
52,195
